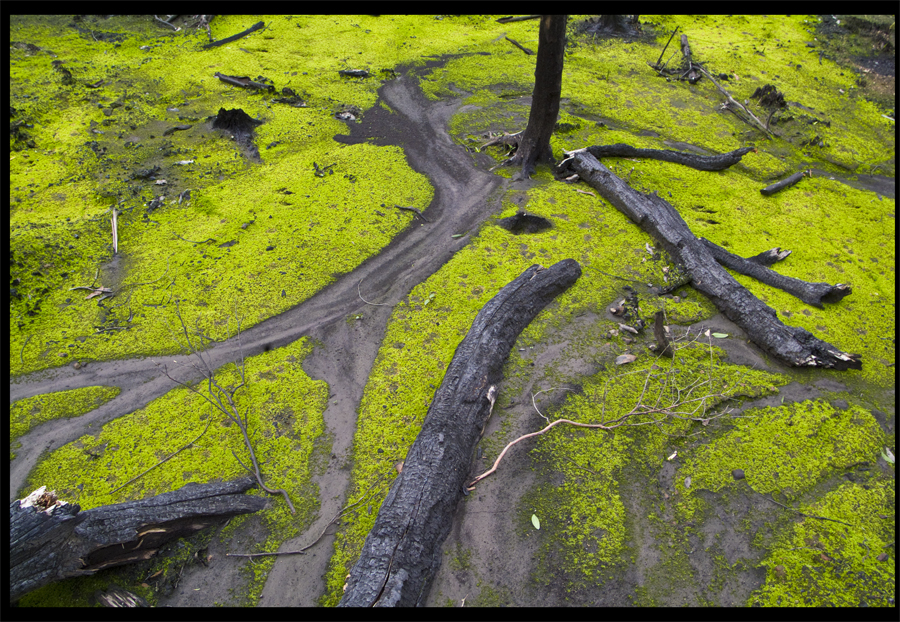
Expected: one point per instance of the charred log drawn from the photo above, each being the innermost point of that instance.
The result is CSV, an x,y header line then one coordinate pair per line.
x,y
811,293
794,345
699,162
784,183
402,551
52,540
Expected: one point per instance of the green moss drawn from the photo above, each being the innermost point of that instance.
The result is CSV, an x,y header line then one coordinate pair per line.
x,y
461,560
785,450
824,563
282,220
33,411
285,411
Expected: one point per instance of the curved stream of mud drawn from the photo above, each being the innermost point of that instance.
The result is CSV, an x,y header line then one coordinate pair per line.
x,y
459,205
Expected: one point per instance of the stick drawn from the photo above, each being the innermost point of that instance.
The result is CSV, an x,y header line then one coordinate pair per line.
x,y
507,20
731,100
313,543
415,210
785,183
471,485
374,304
515,43
115,235
667,46
208,421
240,35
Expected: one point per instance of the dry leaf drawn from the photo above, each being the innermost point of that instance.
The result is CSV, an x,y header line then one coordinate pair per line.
x,y
399,467
623,359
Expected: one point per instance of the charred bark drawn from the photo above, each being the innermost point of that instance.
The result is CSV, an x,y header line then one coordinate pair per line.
x,y
794,345
52,540
699,162
811,293
402,551
534,146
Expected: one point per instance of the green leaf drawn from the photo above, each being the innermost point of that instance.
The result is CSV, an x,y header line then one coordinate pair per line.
x,y
535,521
888,457
720,335
457,235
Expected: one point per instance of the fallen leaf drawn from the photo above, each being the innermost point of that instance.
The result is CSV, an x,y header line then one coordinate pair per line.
x,y
535,521
720,335
622,359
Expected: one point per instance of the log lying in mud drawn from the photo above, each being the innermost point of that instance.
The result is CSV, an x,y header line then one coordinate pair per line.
x,y
794,345
699,162
402,551
51,540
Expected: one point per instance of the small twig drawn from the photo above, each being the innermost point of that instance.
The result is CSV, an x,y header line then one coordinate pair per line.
x,y
490,471
787,507
414,210
731,100
314,542
162,21
507,20
193,242
208,421
374,304
22,351
534,395
518,45
216,391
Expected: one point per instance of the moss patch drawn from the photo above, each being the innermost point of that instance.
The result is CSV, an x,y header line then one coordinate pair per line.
x,y
32,411
285,411
827,564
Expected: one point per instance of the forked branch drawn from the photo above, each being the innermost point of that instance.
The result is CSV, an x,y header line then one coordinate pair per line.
x,y
216,393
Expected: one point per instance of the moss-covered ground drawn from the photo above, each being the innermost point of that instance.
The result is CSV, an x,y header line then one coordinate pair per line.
x,y
617,508
29,412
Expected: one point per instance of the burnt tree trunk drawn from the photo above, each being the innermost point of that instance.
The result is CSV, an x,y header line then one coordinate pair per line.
x,y
51,540
791,344
402,551
534,146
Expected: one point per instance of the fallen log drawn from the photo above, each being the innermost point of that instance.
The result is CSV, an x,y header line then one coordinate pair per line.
x,y
50,540
794,345
785,183
699,162
811,293
402,551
